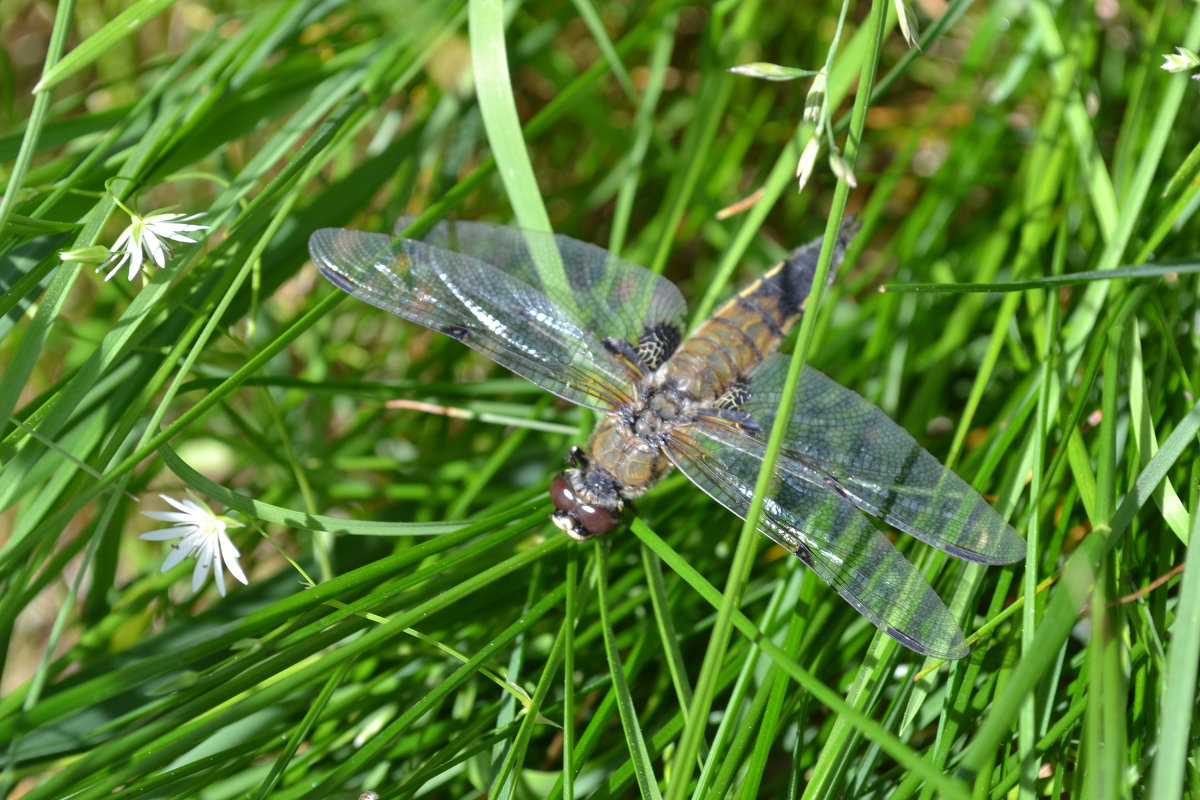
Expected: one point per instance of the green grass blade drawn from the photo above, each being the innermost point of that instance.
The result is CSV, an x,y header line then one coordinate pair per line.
x,y
634,738
118,28
1171,768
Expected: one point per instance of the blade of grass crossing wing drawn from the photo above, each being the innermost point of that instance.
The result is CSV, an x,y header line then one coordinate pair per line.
x,y
742,560
493,88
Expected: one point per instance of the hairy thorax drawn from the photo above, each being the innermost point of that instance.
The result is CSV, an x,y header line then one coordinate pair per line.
x,y
628,443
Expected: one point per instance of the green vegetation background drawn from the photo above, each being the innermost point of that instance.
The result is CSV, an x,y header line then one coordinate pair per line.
x,y
455,645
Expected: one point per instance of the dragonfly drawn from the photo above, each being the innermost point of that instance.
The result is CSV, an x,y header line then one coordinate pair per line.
x,y
608,334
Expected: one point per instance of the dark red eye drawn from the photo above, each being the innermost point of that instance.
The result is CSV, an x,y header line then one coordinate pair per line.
x,y
595,520
561,494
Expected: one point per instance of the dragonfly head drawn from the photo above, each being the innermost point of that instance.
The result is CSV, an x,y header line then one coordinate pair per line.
x,y
584,507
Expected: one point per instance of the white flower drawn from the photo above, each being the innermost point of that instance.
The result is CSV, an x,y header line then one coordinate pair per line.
x,y
144,239
1181,60
202,534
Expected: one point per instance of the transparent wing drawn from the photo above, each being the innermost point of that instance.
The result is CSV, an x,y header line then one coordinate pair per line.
x,y
879,467
610,296
826,532
486,308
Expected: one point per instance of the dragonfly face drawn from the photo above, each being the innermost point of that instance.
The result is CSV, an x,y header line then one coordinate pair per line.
x,y
587,503
607,334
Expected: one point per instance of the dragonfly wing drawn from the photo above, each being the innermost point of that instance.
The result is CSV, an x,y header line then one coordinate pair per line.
x,y
612,297
879,467
486,308
826,532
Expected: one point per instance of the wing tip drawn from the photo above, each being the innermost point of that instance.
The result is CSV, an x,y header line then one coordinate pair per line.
x,y
1014,549
319,242
1007,548
951,650
334,252
319,238
336,277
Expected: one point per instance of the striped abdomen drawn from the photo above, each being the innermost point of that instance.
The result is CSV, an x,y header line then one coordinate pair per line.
x,y
750,326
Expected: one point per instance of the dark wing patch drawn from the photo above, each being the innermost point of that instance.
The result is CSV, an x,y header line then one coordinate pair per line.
x,y
493,311
607,295
826,532
878,466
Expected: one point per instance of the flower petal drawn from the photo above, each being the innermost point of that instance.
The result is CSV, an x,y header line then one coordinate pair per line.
x,y
182,505
168,240
229,554
176,237
135,262
120,262
202,536
164,535
174,557
124,240
169,516
154,247
199,574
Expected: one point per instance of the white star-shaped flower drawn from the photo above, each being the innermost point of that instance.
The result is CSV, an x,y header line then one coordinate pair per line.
x,y
202,534
144,239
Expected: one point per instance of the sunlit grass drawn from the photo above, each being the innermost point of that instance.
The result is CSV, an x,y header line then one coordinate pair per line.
x,y
413,625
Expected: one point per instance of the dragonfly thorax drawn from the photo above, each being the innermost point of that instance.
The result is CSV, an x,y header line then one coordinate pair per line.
x,y
626,459
657,410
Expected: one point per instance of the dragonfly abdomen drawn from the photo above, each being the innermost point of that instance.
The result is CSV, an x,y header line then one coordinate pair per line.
x,y
749,326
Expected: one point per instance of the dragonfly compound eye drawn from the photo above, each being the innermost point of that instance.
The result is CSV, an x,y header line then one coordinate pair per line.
x,y
596,520
562,495
579,520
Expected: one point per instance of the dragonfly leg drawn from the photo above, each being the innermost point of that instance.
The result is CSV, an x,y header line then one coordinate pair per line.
x,y
577,458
